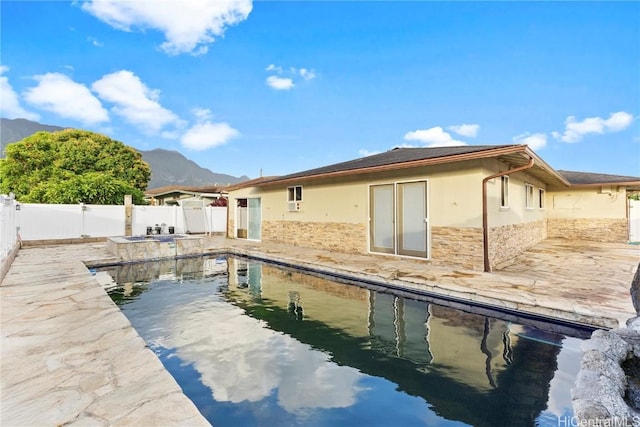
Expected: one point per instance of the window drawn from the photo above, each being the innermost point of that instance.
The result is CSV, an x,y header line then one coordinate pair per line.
x,y
294,198
294,194
504,191
528,202
541,198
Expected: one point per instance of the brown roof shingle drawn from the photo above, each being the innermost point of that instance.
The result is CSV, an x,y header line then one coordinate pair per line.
x,y
393,157
587,178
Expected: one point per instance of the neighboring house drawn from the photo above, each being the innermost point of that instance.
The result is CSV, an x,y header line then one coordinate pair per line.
x,y
174,194
473,206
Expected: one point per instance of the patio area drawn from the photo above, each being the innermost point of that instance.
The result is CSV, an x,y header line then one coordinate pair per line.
x,y
69,357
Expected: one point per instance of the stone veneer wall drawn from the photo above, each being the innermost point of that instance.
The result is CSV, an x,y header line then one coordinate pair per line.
x,y
461,246
335,236
511,240
608,230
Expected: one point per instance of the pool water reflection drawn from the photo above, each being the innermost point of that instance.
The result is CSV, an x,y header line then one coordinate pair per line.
x,y
255,344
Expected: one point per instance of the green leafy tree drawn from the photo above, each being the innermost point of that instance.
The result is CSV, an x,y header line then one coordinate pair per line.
x,y
73,166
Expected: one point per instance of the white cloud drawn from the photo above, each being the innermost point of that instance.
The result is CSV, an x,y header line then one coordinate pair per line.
x,y
188,26
274,68
94,41
202,114
282,79
136,103
468,130
433,137
202,136
280,83
307,74
61,95
10,107
618,121
535,141
575,131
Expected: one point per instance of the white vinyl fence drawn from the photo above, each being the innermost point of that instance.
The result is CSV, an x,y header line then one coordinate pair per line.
x,y
51,222
634,220
8,235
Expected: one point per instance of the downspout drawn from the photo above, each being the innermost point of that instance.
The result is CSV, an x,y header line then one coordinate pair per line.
x,y
485,221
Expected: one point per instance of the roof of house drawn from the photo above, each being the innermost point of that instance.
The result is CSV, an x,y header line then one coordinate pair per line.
x,y
514,155
596,179
184,189
251,182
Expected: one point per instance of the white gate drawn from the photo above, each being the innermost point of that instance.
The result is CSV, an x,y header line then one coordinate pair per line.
x,y
194,216
634,220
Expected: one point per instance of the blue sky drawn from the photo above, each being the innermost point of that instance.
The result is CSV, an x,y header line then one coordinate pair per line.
x,y
242,87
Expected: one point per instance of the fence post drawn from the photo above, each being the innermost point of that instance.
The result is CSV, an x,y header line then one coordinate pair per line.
x,y
83,209
128,215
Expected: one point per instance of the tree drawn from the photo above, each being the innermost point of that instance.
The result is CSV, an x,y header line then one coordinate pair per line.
x,y
73,166
220,201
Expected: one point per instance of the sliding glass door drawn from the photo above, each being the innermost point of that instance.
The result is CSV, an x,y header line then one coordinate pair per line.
x,y
255,219
412,219
399,222
249,219
382,233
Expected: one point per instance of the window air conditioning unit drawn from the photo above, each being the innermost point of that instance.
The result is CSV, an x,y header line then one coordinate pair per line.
x,y
294,206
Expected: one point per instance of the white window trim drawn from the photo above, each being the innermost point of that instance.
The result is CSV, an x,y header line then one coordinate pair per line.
x,y
294,193
529,196
541,197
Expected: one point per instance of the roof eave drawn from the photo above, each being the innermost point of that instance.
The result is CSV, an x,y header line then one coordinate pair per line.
x,y
606,184
495,152
541,163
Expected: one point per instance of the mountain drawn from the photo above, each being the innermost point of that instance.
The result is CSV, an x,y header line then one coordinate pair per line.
x,y
172,168
167,167
17,129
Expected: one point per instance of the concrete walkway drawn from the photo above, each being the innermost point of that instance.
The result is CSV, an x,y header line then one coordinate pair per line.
x,y
70,357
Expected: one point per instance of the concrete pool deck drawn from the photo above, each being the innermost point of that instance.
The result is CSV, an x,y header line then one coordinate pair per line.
x,y
68,356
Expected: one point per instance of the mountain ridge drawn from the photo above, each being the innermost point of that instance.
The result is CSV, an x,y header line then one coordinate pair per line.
x,y
168,167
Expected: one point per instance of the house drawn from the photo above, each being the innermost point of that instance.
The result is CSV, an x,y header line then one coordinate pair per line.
x,y
473,206
594,207
174,194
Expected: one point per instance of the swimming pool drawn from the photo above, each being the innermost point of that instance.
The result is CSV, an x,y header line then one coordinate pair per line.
x,y
257,344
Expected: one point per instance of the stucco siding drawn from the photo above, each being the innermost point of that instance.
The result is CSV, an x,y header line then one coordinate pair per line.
x,y
594,213
585,203
517,212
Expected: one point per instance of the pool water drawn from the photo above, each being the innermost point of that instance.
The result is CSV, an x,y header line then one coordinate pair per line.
x,y
254,344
